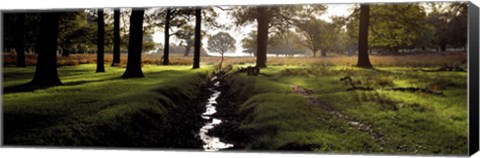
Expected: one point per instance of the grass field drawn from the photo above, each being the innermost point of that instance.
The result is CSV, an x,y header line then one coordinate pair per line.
x,y
295,104
407,122
98,108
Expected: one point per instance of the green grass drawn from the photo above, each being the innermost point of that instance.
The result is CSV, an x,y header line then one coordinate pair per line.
x,y
106,110
410,122
97,108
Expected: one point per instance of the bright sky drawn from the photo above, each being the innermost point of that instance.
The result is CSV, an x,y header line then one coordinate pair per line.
x,y
240,33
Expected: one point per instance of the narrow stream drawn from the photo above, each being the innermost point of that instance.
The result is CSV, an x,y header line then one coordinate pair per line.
x,y
212,143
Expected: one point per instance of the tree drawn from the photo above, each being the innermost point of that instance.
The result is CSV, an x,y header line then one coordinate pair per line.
x,y
11,32
148,44
20,40
134,61
272,18
287,43
459,24
77,32
263,20
396,26
319,34
363,60
249,43
187,35
221,43
46,69
166,48
100,41
116,37
448,24
180,18
198,23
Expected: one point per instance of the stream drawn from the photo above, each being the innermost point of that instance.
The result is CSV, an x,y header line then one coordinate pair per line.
x,y
212,143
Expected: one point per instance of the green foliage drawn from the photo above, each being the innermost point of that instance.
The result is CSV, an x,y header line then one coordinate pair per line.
x,y
319,34
285,43
448,24
280,17
221,43
396,25
412,25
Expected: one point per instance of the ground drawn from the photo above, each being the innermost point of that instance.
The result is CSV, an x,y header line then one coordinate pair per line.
x,y
294,104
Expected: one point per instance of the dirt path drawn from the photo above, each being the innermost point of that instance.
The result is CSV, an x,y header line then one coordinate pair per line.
x,y
337,113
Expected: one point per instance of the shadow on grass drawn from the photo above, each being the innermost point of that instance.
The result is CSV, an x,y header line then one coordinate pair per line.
x,y
20,123
29,87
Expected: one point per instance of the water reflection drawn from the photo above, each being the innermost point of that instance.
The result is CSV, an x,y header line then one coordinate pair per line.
x,y
212,143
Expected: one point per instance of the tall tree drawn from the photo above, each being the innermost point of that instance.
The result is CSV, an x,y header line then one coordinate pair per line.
x,y
221,43
46,69
20,40
272,18
198,30
263,20
100,41
363,59
116,37
134,61
166,48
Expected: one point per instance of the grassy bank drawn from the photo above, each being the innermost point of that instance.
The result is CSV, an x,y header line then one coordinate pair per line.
x,y
101,109
274,117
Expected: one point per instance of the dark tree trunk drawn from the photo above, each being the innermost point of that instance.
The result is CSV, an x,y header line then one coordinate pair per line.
x,y
443,47
134,61
116,37
198,37
314,52
363,60
166,49
262,36
46,69
20,40
323,53
221,62
100,41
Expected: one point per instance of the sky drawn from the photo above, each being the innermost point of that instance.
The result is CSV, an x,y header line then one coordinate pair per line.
x,y
239,33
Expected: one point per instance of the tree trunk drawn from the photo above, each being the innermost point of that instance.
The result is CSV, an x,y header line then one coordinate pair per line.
x,y
116,37
46,69
166,49
187,51
198,38
262,36
314,52
134,61
323,53
100,41
20,40
443,47
221,62
363,60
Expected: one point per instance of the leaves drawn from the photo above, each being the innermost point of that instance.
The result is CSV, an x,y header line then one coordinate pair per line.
x,y
221,43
